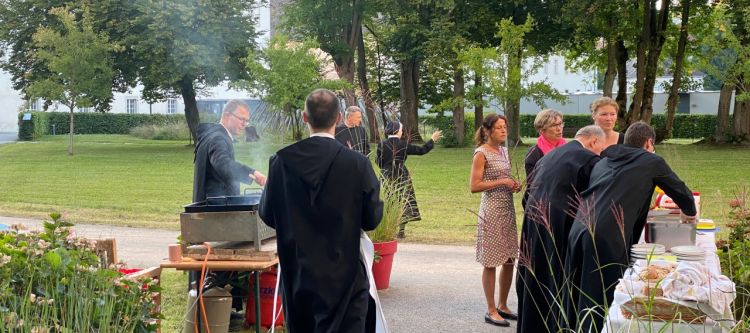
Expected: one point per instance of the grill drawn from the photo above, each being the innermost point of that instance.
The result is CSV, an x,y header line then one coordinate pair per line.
x,y
229,218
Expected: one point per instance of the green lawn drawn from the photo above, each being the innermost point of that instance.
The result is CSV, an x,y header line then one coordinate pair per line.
x,y
122,180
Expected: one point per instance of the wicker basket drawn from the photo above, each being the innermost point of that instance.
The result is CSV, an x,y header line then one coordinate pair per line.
x,y
660,308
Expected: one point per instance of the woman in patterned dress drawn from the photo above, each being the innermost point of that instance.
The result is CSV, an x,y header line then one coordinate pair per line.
x,y
497,238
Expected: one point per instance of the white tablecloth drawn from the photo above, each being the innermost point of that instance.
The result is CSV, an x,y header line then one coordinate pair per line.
x,y
616,323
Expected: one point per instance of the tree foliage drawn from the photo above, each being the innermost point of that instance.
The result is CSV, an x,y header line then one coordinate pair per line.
x,y
182,47
78,62
285,72
506,81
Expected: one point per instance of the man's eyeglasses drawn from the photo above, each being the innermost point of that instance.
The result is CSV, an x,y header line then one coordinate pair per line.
x,y
244,120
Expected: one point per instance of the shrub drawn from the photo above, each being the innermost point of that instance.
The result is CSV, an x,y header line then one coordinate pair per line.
x,y
52,282
41,123
33,128
176,131
735,251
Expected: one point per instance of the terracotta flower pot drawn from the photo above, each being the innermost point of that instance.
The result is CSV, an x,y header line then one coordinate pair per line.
x,y
381,269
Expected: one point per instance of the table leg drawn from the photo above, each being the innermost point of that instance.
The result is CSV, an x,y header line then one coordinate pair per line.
x,y
256,294
193,281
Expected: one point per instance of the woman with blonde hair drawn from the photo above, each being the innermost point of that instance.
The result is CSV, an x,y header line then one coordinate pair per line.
x,y
549,124
497,238
604,112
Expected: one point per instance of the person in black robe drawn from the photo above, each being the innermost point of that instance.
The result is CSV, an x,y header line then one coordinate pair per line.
x,y
610,218
391,158
351,134
319,197
216,172
557,178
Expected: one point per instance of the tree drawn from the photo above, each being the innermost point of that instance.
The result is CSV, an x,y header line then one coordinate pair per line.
x,y
730,50
501,68
78,62
285,73
182,47
336,25
666,132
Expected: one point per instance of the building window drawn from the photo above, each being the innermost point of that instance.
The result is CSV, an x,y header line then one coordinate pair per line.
x,y
84,109
555,64
132,105
35,105
171,106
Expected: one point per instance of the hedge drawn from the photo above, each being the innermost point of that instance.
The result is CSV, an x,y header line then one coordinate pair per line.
x,y
685,126
88,123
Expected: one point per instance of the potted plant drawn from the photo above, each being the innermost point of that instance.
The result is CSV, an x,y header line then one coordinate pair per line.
x,y
384,236
735,251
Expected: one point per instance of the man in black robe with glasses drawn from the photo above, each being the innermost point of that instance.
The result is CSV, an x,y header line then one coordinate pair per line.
x,y
319,197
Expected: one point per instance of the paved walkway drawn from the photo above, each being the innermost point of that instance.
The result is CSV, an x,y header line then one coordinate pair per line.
x,y
434,288
8,137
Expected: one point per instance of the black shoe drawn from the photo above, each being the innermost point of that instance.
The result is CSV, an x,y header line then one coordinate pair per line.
x,y
501,322
401,234
506,315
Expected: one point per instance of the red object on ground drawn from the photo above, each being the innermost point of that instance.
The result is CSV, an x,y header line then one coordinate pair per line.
x,y
381,269
127,271
267,290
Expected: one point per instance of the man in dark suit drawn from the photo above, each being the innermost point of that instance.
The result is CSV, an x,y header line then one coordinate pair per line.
x,y
351,133
216,172
611,215
319,197
555,181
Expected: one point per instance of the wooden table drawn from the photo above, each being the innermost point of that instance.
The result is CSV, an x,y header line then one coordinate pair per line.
x,y
256,267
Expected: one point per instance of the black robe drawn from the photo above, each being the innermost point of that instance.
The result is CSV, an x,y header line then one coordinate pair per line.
x,y
354,138
318,197
529,162
557,178
610,219
216,172
391,158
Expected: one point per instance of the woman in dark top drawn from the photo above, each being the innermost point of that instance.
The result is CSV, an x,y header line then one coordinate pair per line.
x,y
391,156
604,112
549,125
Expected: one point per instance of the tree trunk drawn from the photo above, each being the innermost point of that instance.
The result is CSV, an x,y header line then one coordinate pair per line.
x,y
191,106
372,121
674,90
409,88
513,106
344,61
722,114
458,105
634,113
609,75
72,129
478,102
622,83
741,117
656,41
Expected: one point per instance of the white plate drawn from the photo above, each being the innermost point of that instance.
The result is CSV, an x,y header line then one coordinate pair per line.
x,y
688,250
648,248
